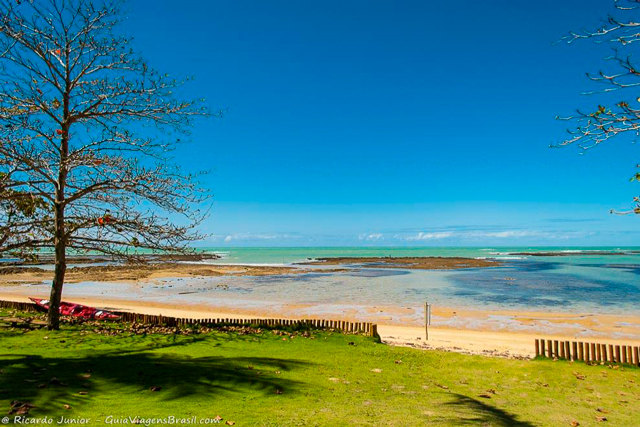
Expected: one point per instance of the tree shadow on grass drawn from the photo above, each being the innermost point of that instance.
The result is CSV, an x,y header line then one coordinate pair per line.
x,y
55,381
483,414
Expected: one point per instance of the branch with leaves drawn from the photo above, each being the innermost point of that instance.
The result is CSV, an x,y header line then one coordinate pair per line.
x,y
621,118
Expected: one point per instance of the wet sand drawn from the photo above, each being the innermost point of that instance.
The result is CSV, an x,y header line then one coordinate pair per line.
x,y
149,271
410,263
140,272
465,340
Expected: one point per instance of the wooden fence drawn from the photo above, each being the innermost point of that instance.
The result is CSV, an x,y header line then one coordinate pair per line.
x,y
588,352
361,328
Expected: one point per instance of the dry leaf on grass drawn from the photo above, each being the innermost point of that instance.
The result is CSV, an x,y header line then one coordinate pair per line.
x,y
20,408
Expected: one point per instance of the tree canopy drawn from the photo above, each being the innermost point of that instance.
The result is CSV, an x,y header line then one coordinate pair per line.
x,y
87,136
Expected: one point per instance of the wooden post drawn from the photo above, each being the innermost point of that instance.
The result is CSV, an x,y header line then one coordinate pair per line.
x,y
374,330
542,349
623,358
549,349
537,347
593,352
567,350
604,352
636,352
580,351
555,348
617,354
575,351
426,321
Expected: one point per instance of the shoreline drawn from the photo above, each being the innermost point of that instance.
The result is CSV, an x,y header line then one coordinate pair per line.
x,y
515,344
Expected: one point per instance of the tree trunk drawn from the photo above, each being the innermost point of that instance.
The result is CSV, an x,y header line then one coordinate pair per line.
x,y
60,270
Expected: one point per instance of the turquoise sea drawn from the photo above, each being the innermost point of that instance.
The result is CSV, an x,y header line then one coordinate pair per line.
x,y
585,281
277,255
576,279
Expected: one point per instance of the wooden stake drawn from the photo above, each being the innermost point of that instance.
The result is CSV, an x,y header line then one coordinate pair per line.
x,y
426,321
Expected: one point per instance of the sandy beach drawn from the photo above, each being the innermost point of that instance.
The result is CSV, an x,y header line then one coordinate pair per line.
x,y
477,341
352,289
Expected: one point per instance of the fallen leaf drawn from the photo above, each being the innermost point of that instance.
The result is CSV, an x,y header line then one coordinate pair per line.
x,y
575,423
602,410
444,387
376,370
278,391
218,418
230,423
20,408
156,388
601,419
485,395
66,406
398,362
83,393
86,375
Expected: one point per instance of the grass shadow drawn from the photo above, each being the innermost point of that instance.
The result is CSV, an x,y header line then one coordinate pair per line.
x,y
55,381
482,413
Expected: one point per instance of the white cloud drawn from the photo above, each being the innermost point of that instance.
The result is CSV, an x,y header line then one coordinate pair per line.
x,y
257,236
431,236
462,235
371,237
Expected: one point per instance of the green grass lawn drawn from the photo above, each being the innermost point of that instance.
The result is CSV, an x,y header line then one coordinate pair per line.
x,y
330,379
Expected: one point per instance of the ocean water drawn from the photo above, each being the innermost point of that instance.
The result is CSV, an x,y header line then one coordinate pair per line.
x,y
284,256
587,281
599,280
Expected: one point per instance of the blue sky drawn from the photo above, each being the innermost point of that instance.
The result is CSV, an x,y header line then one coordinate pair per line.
x,y
392,122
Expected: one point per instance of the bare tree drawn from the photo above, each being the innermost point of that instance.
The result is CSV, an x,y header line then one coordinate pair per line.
x,y
622,117
86,140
